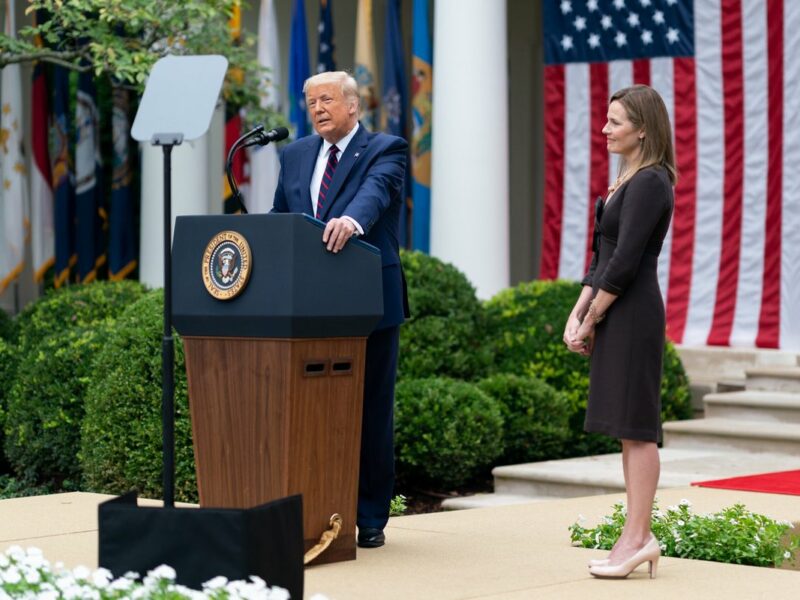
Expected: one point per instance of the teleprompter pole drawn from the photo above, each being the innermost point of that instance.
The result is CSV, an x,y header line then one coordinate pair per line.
x,y
167,141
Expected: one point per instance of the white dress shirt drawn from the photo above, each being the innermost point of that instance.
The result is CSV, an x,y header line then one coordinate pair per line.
x,y
319,170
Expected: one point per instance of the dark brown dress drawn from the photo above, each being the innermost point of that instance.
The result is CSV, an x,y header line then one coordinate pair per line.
x,y
626,362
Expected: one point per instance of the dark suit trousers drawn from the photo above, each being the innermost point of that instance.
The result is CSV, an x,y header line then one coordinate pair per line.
x,y
376,475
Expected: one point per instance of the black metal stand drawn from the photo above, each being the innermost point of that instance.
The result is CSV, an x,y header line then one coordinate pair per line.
x,y
167,141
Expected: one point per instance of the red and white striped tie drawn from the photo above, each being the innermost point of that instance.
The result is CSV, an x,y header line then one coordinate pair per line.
x,y
327,177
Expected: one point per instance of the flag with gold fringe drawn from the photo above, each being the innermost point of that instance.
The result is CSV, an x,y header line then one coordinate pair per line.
x,y
89,205
365,71
122,231
421,113
42,231
63,181
14,189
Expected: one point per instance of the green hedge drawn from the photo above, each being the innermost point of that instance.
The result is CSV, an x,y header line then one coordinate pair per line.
x,y
71,307
7,327
446,432
46,406
79,305
7,366
121,446
444,335
526,327
536,417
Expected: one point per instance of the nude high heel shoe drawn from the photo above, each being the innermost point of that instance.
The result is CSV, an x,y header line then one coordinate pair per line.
x,y
598,562
649,553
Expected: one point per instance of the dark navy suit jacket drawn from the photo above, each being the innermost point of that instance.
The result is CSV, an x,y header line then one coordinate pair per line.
x,y
368,187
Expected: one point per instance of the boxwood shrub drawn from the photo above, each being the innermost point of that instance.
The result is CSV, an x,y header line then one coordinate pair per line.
x,y
526,326
7,327
45,406
536,417
79,305
7,365
444,335
446,432
121,447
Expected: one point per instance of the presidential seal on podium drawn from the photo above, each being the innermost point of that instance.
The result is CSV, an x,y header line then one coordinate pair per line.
x,y
226,265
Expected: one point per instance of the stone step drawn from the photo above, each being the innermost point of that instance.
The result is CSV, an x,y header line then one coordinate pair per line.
x,y
490,500
754,405
733,434
774,378
731,385
594,475
715,363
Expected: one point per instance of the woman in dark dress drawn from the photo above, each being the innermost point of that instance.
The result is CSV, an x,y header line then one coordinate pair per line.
x,y
619,318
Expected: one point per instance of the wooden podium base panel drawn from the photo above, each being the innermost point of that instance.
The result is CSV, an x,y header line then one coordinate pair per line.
x,y
275,417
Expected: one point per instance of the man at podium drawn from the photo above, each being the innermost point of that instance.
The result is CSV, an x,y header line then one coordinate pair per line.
x,y
352,179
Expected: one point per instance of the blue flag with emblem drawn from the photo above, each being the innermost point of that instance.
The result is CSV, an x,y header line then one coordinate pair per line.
x,y
63,182
89,208
325,59
298,71
122,233
421,113
395,97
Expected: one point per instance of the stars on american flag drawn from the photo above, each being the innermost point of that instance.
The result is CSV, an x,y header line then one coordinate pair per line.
x,y
595,28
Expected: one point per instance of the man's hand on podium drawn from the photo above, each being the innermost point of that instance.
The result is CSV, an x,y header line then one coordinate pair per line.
x,y
337,233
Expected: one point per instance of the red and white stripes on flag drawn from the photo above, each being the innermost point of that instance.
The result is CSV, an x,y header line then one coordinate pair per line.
x,y
730,267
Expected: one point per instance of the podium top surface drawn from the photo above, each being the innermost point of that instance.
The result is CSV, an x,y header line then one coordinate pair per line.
x,y
294,287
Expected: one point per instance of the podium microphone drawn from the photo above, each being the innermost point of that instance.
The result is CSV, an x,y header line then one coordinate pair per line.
x,y
273,135
254,137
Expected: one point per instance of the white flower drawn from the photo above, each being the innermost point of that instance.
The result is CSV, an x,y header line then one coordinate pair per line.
x,y
33,576
684,502
163,572
12,575
121,584
787,555
101,578
15,553
47,595
4,562
672,508
734,522
73,591
81,572
214,584
65,581
278,593
131,575
681,523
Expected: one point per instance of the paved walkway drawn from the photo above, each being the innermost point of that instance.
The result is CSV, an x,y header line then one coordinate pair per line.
x,y
508,552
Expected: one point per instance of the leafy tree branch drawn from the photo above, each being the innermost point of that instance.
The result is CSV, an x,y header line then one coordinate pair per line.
x,y
124,38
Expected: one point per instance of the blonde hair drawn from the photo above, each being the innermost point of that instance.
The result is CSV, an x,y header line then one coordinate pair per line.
x,y
647,111
347,82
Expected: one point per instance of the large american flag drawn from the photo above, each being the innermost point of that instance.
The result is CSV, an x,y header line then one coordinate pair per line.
x,y
729,73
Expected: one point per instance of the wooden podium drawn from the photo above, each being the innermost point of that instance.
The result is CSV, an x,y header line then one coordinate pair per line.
x,y
276,372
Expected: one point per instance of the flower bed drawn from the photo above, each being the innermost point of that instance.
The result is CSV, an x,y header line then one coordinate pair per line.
x,y
27,574
732,535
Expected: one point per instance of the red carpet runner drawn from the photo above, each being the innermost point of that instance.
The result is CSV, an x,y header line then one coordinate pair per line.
x,y
783,482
